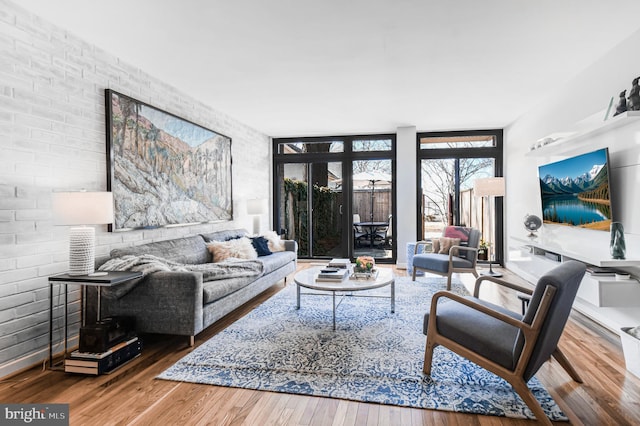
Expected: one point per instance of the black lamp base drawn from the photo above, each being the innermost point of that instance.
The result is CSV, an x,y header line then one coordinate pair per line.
x,y
491,272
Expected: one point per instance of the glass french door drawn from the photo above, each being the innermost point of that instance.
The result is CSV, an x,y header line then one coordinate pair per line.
x,y
372,207
447,194
328,189
311,206
449,163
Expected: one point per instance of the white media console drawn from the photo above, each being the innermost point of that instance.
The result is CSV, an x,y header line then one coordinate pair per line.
x,y
609,301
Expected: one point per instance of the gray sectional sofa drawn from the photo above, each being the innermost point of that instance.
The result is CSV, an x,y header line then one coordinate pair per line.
x,y
182,303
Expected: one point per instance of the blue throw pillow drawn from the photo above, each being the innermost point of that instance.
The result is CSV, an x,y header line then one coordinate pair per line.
x,y
261,245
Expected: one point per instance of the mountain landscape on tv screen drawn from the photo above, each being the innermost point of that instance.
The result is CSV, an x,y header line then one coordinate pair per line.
x,y
580,200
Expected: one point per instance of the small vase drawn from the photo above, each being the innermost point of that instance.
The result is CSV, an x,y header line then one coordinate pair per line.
x,y
617,245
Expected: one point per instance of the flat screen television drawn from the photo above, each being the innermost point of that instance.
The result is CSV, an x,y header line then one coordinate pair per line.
x,y
575,191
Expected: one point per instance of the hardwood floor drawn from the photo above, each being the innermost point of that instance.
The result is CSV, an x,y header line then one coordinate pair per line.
x,y
609,396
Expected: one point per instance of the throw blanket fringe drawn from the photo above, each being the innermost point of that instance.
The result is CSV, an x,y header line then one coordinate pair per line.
x,y
148,264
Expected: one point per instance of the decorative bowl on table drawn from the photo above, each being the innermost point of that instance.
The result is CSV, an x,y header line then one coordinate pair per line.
x,y
364,267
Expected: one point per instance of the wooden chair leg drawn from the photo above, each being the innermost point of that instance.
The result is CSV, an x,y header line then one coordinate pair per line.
x,y
527,396
564,363
449,281
428,357
413,274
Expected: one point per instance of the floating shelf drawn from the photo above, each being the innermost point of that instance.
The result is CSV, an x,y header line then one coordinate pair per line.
x,y
566,144
600,259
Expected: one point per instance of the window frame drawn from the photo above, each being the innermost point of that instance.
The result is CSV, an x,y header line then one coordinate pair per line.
x,y
347,157
495,152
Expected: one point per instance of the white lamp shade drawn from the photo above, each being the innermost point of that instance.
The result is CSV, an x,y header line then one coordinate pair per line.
x,y
82,208
79,209
256,206
488,187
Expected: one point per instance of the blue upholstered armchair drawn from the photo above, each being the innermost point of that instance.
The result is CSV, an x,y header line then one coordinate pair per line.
x,y
509,344
447,258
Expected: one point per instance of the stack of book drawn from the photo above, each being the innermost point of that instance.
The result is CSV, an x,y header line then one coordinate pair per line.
x,y
339,263
104,362
332,274
598,271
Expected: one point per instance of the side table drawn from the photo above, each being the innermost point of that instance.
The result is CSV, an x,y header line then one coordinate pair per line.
x,y
410,253
110,279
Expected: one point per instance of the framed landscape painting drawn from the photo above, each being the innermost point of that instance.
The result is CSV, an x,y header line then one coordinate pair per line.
x,y
164,170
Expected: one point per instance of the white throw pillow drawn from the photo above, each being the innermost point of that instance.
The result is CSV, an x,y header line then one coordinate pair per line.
x,y
275,242
240,248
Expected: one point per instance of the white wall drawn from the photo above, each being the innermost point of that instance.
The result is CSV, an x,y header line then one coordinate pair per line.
x,y
587,94
52,136
406,219
585,97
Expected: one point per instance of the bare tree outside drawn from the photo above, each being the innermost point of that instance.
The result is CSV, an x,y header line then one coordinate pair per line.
x,y
372,145
383,166
438,181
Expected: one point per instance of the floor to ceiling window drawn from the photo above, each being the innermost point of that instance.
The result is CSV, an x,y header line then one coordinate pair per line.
x,y
448,165
334,195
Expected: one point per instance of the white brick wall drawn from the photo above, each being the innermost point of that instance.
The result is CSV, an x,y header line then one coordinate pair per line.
x,y
52,137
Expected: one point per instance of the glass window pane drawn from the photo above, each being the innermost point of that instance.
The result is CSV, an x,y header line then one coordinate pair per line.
x,y
439,195
326,231
445,142
307,147
474,168
372,205
315,182
372,145
471,207
438,186
293,205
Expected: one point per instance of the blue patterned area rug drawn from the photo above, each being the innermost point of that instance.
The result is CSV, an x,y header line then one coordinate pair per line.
x,y
373,356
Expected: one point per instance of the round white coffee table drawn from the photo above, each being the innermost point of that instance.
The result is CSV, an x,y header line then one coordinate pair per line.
x,y
307,279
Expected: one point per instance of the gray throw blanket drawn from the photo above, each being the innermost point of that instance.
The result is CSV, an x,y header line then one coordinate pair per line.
x,y
148,264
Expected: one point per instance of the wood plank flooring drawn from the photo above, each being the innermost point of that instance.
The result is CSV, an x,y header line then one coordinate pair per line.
x,y
131,396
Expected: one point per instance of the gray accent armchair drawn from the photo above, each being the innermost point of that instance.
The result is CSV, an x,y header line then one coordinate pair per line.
x,y
460,258
510,345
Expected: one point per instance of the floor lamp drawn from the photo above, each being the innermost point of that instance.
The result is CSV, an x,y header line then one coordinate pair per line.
x,y
490,187
81,210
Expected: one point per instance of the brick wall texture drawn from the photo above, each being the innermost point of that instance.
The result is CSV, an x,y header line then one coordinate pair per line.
x,y
52,138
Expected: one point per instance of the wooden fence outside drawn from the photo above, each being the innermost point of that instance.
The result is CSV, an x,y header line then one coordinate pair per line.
x,y
381,204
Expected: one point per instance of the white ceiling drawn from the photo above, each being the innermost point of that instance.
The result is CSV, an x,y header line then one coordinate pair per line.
x,y
329,67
